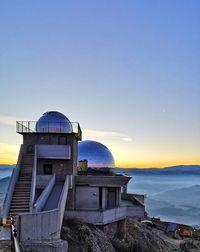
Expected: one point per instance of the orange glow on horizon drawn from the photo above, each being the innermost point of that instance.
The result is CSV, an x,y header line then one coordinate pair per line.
x,y
8,161
13,160
9,154
154,165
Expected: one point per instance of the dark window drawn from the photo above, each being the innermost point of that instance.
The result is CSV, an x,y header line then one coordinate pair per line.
x,y
100,197
62,140
48,169
111,197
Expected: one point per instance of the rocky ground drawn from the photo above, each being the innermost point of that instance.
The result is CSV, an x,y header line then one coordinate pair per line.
x,y
138,237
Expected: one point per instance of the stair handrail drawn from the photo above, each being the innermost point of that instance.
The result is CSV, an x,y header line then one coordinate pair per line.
x,y
11,186
33,182
63,198
14,237
41,201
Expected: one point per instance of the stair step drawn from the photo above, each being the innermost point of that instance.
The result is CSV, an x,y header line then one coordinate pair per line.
x,y
18,210
21,194
18,203
18,199
25,188
24,179
23,182
22,191
23,185
19,207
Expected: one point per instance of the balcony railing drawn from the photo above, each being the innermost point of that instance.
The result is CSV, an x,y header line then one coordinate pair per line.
x,y
48,127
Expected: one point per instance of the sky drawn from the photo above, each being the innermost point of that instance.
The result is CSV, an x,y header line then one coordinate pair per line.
x,y
127,71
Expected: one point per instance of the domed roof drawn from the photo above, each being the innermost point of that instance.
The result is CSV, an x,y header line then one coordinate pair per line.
x,y
53,121
97,154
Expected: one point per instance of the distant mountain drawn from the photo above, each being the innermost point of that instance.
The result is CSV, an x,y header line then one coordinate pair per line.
x,y
3,184
3,188
179,169
6,166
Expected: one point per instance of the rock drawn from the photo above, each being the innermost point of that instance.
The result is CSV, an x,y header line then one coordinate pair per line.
x,y
190,245
137,237
85,238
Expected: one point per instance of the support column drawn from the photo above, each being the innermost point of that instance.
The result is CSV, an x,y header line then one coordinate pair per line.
x,y
121,229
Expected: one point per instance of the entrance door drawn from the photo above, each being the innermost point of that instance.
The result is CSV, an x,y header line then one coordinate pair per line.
x,y
111,197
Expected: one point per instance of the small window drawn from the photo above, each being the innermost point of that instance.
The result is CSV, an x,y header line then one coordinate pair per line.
x,y
100,197
62,140
111,189
48,169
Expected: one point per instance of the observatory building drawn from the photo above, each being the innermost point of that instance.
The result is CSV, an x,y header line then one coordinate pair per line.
x,y
48,186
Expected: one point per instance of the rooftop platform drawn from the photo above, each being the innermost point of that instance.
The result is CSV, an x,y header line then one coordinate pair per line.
x,y
102,180
24,127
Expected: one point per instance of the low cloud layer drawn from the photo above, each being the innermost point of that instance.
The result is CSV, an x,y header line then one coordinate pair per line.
x,y
88,133
8,120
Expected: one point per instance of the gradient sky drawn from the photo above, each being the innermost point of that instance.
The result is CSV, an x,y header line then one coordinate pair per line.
x,y
128,71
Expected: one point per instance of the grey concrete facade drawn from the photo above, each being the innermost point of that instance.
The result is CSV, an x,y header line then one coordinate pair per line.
x,y
49,160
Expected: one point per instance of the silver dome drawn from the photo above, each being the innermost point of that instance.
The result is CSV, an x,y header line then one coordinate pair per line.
x,y
97,154
53,121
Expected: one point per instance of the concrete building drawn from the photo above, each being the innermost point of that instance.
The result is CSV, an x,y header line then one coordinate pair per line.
x,y
47,186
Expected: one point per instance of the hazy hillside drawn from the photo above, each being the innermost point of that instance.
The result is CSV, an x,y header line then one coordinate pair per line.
x,y
180,169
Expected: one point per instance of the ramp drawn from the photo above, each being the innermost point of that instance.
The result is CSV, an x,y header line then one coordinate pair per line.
x,y
54,197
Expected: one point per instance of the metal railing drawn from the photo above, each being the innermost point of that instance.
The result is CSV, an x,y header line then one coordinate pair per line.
x,y
48,127
13,237
33,181
11,187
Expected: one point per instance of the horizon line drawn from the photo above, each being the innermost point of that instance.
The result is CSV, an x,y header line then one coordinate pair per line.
x,y
118,167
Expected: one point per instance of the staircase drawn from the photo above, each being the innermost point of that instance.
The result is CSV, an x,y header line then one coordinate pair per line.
x,y
21,196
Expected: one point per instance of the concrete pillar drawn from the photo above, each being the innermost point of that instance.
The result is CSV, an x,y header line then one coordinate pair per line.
x,y
124,189
104,198
121,229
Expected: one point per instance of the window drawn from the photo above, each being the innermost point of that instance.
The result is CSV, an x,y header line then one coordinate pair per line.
x,y
100,197
111,197
48,169
62,140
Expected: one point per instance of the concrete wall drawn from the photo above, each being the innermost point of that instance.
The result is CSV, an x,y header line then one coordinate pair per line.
x,y
42,181
63,198
54,151
44,138
130,196
104,181
30,139
87,197
100,217
44,225
136,211
39,226
60,167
